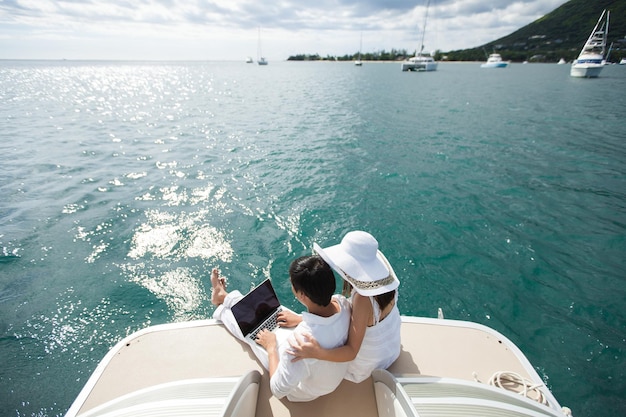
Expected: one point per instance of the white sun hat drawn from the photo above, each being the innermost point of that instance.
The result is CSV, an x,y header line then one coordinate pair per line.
x,y
357,260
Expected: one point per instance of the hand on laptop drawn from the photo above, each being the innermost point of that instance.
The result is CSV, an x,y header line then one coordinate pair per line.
x,y
266,339
287,318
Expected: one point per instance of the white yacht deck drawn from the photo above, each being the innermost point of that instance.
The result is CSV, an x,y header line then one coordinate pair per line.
x,y
203,349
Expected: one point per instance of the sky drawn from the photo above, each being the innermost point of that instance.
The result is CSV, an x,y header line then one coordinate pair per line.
x,y
233,29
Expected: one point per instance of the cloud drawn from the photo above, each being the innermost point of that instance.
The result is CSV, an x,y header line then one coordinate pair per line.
x,y
227,29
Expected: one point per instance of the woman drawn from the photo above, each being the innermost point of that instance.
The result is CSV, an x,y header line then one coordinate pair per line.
x,y
374,336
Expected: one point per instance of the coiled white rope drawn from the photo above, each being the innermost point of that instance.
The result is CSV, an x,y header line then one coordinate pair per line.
x,y
515,382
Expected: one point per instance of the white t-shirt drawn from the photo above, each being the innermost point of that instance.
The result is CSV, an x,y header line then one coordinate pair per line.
x,y
308,379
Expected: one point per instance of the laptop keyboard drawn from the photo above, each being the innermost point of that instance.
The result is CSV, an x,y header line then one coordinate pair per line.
x,y
270,324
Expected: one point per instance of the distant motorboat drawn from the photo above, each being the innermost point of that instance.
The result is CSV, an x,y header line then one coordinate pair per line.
x,y
421,61
494,61
623,61
591,58
561,61
249,60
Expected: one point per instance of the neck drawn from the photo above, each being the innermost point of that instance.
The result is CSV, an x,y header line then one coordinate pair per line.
x,y
324,311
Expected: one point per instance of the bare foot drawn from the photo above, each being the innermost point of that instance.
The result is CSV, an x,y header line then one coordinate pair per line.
x,y
218,290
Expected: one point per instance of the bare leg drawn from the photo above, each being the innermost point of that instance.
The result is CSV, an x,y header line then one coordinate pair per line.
x,y
218,290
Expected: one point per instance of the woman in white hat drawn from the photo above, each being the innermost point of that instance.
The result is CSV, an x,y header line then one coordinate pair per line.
x,y
374,336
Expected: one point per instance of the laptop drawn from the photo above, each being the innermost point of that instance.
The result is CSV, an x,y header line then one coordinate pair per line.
x,y
257,310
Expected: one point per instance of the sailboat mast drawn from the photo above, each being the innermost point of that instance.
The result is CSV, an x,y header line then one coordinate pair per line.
x,y
424,28
606,33
258,46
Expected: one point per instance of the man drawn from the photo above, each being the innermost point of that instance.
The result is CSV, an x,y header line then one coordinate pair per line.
x,y
327,318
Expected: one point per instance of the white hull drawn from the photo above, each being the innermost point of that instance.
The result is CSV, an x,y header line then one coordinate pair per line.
x,y
495,61
173,369
495,65
586,70
419,65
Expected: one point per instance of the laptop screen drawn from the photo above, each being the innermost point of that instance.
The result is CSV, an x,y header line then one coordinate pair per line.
x,y
255,307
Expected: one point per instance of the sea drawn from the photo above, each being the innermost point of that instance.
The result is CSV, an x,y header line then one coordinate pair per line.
x,y
498,195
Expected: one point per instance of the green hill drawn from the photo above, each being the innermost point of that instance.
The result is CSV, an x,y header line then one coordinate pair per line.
x,y
559,34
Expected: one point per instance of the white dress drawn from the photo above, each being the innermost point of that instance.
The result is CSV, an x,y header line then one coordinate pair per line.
x,y
381,344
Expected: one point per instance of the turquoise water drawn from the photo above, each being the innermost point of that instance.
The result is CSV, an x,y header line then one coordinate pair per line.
x,y
497,195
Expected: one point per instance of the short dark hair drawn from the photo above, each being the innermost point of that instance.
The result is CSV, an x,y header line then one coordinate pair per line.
x,y
313,276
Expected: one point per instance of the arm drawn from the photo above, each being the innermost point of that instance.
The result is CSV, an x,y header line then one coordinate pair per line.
x,y
267,339
284,375
288,318
361,313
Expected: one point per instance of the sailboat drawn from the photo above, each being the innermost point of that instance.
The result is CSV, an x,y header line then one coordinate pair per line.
x,y
358,61
589,62
260,58
421,61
